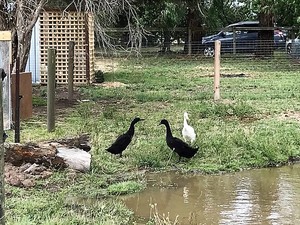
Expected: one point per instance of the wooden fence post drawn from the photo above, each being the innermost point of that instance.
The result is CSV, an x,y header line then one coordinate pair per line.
x,y
71,70
5,62
2,190
217,70
17,101
189,41
51,90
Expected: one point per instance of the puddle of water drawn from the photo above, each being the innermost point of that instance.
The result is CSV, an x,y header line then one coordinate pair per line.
x,y
264,196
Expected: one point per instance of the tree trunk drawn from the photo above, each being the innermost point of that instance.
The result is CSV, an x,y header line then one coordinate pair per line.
x,y
22,32
195,25
23,48
3,17
167,41
20,20
265,46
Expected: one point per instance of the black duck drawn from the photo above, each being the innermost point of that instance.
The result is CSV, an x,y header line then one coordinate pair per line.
x,y
177,145
123,140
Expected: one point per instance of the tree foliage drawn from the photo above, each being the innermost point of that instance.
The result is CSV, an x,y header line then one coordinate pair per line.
x,y
20,16
285,12
204,16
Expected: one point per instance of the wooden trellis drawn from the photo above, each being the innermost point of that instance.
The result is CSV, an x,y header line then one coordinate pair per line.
x,y
56,30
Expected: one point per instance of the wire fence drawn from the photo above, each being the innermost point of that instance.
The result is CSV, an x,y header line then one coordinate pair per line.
x,y
261,67
278,53
285,56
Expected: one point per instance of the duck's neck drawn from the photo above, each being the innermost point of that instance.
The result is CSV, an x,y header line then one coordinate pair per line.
x,y
185,121
131,129
169,132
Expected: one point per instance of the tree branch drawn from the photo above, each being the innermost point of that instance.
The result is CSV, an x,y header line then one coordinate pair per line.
x,y
36,14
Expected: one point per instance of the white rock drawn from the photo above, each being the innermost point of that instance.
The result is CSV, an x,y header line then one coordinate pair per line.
x,y
75,158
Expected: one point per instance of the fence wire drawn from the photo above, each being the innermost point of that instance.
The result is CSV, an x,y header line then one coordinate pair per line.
x,y
260,70
283,56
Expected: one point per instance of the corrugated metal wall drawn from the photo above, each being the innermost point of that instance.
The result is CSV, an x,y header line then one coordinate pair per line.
x,y
33,63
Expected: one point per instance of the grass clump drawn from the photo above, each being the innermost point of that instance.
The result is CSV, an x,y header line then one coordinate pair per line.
x,y
41,208
239,109
126,187
39,101
160,219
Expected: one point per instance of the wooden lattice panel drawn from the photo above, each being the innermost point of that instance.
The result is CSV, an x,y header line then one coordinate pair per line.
x,y
91,28
56,31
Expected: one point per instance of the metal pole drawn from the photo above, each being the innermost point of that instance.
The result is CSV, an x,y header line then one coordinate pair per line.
x,y
17,102
2,190
217,70
71,70
51,90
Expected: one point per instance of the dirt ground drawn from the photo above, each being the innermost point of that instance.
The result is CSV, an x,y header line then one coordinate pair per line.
x,y
62,103
26,175
20,176
61,99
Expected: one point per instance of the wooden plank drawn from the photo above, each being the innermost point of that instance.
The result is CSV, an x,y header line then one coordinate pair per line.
x,y
5,35
25,92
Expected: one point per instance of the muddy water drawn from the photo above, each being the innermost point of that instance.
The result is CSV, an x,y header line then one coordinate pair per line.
x,y
263,196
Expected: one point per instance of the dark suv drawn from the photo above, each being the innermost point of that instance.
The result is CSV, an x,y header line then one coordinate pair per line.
x,y
246,40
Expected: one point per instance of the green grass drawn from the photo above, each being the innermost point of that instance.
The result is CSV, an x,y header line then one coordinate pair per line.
x,y
126,187
39,101
245,129
40,207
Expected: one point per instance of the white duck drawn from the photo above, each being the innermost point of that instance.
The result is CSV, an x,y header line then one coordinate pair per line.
x,y
188,132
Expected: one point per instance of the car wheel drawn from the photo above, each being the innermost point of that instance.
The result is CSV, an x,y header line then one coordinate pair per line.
x,y
209,51
289,49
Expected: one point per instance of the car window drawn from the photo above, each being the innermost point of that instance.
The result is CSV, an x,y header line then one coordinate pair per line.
x,y
242,32
227,33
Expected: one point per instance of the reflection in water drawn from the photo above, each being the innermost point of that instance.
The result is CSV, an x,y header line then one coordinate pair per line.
x,y
185,195
242,207
264,196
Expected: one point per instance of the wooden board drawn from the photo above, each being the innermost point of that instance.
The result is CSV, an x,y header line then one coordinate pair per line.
x,y
5,36
25,92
